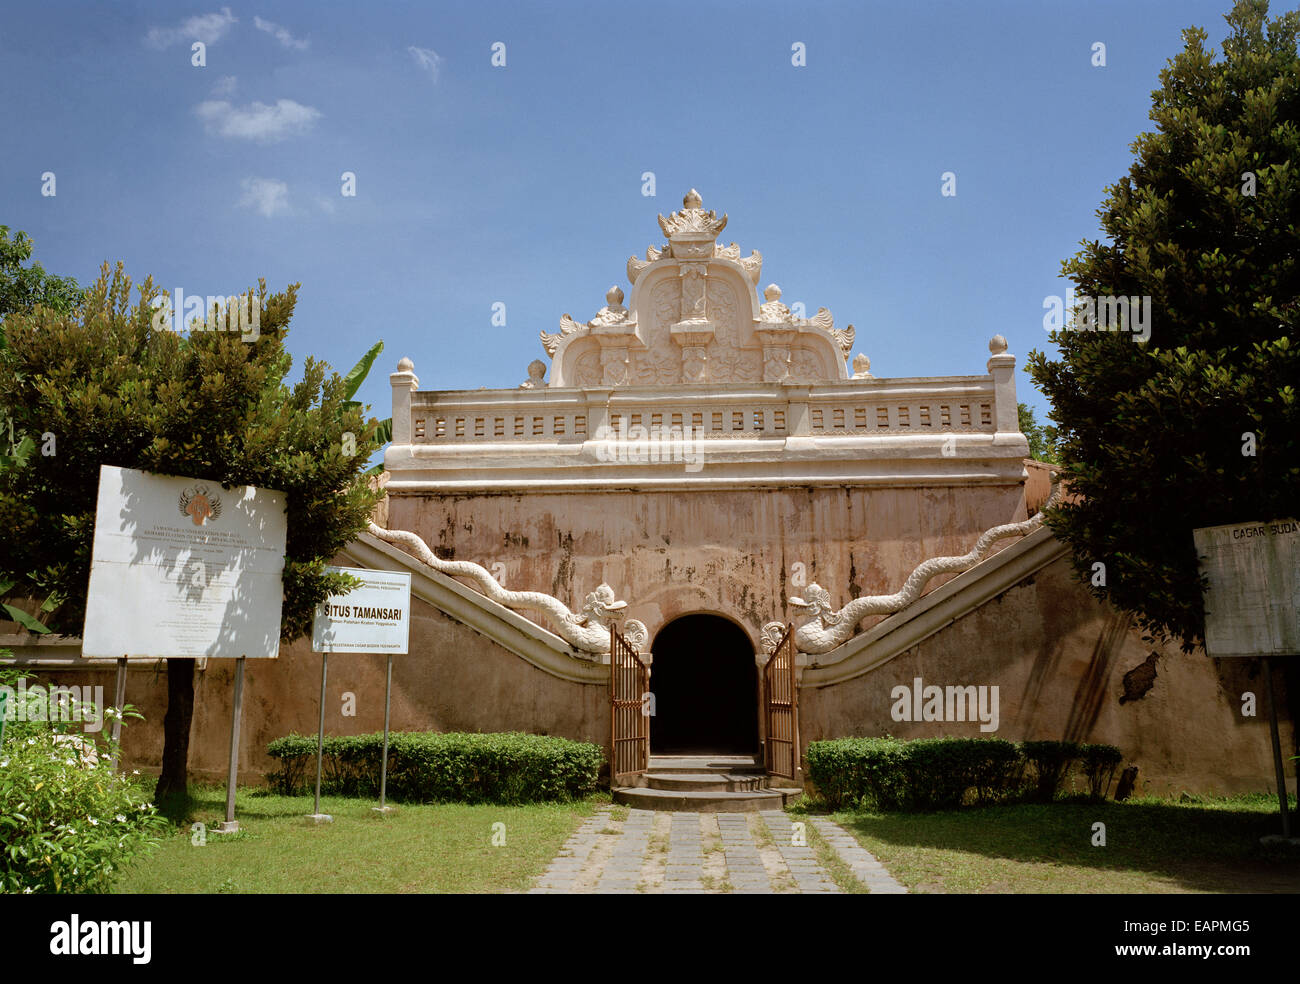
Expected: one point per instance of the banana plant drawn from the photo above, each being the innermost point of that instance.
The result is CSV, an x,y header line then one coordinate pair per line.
x,y
28,622
383,430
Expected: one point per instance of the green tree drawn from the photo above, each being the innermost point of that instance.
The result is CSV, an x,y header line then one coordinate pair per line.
x,y
23,288
1197,426
114,388
1041,437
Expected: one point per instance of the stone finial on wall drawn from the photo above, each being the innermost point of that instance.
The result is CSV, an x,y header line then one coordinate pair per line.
x,y
1006,414
536,375
692,223
404,381
613,313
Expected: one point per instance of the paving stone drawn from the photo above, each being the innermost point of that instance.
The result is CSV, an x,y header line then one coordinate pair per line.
x,y
684,867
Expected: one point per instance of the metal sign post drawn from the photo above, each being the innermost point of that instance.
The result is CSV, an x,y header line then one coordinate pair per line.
x,y
316,814
119,701
383,768
1278,769
231,825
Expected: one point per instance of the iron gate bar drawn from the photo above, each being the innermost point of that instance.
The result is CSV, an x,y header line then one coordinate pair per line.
x,y
780,694
629,725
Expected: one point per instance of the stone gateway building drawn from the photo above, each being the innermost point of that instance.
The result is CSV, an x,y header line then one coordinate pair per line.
x,y
703,468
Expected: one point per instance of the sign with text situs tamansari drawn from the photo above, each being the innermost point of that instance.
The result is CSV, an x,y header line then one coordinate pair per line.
x,y
184,568
1252,606
374,618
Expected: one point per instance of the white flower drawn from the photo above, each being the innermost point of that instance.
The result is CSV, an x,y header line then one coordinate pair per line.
x,y
120,819
93,821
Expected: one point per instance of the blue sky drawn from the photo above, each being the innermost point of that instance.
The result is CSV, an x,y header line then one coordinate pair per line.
x,y
522,184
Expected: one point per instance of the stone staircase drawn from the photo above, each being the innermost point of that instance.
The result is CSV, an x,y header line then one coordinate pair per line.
x,y
705,784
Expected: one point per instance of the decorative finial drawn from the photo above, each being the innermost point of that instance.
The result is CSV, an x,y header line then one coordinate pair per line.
x,y
405,365
692,199
861,367
997,344
536,372
772,292
614,295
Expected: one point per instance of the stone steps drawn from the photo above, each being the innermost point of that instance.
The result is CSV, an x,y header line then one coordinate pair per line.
x,y
697,764
698,801
705,784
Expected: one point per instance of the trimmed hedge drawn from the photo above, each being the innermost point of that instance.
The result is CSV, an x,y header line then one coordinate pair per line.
x,y
431,767
944,773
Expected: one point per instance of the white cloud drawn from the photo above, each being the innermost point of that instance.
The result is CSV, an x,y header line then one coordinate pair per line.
x,y
208,28
265,195
225,86
427,59
280,34
256,121
326,204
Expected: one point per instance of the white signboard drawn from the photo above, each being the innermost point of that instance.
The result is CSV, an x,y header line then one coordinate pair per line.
x,y
1252,606
374,618
184,568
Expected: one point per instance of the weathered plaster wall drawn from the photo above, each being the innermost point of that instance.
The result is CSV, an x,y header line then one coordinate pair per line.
x,y
1068,667
731,552
453,680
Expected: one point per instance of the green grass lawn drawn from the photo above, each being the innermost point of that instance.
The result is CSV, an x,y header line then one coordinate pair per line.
x,y
1152,845
435,848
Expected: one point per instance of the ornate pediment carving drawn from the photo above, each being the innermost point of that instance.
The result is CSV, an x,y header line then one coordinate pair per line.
x,y
694,317
692,221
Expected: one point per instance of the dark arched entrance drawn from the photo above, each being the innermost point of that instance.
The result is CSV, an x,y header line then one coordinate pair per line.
x,y
705,687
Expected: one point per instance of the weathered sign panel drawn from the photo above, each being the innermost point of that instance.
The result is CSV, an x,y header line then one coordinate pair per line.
x,y
184,568
1252,606
375,618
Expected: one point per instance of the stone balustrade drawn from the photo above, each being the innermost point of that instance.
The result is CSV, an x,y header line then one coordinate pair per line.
x,y
760,410
917,430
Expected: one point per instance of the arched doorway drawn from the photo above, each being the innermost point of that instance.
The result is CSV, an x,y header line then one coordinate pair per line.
x,y
705,687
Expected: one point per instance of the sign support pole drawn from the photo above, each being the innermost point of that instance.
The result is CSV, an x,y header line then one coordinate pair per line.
x,y
316,814
1277,748
231,826
119,701
383,769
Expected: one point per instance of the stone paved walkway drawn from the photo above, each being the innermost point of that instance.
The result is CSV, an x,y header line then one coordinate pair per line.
x,y
713,853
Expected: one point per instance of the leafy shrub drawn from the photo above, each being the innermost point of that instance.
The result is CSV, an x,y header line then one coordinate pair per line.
x,y
944,773
845,770
925,774
1050,760
428,767
67,821
1099,763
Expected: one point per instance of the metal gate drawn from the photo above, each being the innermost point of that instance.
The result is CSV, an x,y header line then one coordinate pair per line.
x,y
629,719
781,708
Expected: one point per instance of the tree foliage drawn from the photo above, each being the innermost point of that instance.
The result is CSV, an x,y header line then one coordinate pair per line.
x,y
110,387
1197,426
1041,437
23,288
